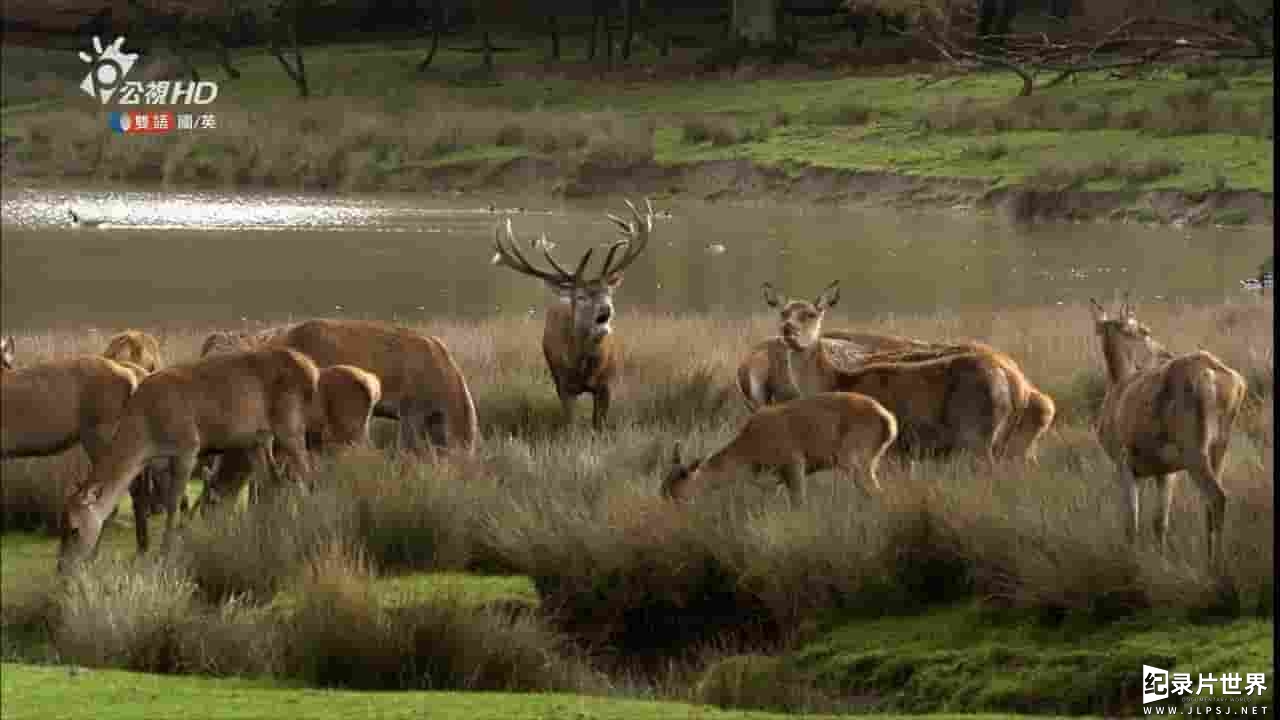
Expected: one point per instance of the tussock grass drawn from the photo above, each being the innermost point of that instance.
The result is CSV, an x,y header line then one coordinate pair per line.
x,y
639,582
722,131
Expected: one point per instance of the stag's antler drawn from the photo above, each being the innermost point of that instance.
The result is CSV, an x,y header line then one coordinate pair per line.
x,y
509,254
636,236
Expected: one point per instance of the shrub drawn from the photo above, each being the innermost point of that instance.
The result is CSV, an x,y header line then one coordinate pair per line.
x,y
111,614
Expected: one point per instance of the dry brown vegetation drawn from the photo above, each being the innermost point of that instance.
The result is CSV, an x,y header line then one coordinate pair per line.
x,y
1193,110
615,566
324,144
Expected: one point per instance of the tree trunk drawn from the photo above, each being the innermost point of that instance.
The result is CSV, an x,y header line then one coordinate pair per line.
x,y
755,21
222,48
628,27
297,71
437,21
595,30
553,24
608,38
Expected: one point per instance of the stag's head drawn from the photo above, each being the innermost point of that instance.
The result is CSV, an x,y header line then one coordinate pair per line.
x,y
801,319
679,479
81,527
590,298
1127,344
6,353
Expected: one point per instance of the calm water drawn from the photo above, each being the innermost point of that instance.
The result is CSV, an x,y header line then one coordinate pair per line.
x,y
215,258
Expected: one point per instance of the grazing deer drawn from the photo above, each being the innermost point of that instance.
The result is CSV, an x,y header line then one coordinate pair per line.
x,y
845,431
340,416
151,488
814,357
421,384
578,343
1163,414
50,406
137,347
257,399
762,382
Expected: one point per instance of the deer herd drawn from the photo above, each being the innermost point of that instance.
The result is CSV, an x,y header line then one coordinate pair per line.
x,y
820,399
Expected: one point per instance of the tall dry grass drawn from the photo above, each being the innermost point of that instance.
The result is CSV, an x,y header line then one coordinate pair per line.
x,y
578,512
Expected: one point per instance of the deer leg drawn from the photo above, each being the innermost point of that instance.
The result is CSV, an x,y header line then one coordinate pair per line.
x,y
1215,506
567,402
1128,486
139,493
600,408
181,466
1164,486
294,447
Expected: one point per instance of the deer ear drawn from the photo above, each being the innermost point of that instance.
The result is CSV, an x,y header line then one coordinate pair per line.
x,y
828,297
613,280
1099,313
771,296
564,292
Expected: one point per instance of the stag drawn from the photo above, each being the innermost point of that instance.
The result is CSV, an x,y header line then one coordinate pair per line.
x,y
578,343
1163,414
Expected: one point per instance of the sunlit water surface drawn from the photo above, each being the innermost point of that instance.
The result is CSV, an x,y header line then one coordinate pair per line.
x,y
216,259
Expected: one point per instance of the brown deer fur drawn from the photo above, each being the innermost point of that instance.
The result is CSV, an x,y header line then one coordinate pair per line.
x,y
1163,414
256,399
814,360
137,347
845,431
421,384
583,355
953,400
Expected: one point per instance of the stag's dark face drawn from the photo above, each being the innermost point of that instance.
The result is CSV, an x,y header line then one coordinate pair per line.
x,y
592,305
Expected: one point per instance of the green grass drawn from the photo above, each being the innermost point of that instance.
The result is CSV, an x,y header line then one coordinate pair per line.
x,y
1218,131
53,692
965,657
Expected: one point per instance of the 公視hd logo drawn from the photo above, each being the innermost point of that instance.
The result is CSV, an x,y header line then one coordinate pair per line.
x,y
108,67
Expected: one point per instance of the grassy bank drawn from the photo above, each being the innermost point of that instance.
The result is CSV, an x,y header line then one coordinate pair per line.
x,y
594,585
1190,129
42,692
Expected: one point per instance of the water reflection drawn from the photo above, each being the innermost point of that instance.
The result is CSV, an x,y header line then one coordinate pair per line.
x,y
213,258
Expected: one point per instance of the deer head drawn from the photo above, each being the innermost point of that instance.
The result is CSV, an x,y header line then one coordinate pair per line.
x,y
802,320
675,486
1127,345
6,353
81,527
591,299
